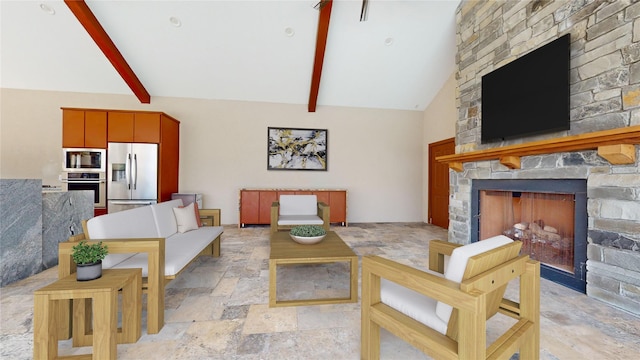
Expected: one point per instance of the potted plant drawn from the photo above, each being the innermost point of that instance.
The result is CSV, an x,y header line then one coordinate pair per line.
x,y
88,258
307,234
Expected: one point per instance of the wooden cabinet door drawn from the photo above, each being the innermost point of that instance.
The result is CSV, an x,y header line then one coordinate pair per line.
x,y
266,199
120,127
146,128
72,128
284,192
169,160
95,129
249,207
338,206
323,196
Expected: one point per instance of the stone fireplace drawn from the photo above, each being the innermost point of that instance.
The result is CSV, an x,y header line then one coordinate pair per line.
x,y
604,96
549,216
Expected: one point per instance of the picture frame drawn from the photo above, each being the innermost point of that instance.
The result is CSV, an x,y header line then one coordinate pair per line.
x,y
297,149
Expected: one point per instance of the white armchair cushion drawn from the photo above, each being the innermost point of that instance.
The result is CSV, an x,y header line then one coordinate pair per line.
x,y
413,304
300,220
432,313
457,265
298,205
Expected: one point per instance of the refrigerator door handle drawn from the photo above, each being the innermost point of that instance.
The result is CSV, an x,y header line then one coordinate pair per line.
x,y
127,171
135,171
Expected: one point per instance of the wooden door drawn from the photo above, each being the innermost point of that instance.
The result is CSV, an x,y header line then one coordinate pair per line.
x,y
439,183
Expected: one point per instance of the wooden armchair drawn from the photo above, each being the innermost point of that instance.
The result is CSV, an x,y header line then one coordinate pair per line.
x,y
294,210
445,316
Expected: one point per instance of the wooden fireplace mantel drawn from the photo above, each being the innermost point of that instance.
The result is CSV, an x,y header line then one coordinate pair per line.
x,y
616,146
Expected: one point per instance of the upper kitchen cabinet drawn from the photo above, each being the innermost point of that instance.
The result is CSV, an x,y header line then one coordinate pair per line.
x,y
84,128
138,127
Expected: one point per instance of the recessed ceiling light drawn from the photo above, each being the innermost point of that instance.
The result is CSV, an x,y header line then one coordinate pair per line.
x,y
48,9
289,31
388,41
175,21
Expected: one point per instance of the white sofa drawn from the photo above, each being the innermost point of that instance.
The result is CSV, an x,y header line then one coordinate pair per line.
x,y
292,210
148,238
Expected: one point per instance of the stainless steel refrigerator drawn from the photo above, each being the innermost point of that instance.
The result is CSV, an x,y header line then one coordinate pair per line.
x,y
132,176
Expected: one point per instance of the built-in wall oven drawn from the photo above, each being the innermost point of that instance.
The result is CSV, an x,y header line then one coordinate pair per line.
x,y
95,182
84,169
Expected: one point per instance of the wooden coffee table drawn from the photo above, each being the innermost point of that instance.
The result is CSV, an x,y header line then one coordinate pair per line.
x,y
331,249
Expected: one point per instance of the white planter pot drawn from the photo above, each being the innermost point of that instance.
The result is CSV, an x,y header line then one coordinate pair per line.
x,y
86,272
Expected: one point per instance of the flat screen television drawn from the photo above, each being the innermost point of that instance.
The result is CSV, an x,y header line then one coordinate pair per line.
x,y
528,96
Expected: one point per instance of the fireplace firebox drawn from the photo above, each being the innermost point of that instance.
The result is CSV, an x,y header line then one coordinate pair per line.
x,y
549,216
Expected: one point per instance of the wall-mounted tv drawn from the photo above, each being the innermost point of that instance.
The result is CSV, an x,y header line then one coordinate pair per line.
x,y
529,95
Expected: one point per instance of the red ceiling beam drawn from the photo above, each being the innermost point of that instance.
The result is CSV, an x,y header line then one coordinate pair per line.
x,y
321,44
88,20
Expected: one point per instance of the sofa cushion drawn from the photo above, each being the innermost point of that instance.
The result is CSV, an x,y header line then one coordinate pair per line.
x,y
164,218
180,249
132,223
185,218
457,265
298,205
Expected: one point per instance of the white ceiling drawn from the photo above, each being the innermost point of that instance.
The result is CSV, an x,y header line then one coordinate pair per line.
x,y
237,50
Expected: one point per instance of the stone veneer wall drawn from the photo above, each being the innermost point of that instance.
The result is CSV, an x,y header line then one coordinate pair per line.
x,y
605,94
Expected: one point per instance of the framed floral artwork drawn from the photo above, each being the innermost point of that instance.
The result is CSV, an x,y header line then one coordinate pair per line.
x,y
296,149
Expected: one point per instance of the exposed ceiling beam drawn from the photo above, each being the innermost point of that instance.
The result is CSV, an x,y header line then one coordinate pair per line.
x,y
88,20
321,44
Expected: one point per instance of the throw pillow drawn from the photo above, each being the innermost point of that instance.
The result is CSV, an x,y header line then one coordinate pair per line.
x,y
185,218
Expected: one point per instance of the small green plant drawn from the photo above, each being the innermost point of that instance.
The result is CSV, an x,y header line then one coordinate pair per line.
x,y
84,253
308,230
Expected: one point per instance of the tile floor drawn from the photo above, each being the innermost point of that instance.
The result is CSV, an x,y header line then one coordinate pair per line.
x,y
217,308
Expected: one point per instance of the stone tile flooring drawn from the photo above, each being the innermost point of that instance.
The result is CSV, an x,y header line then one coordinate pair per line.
x,y
217,308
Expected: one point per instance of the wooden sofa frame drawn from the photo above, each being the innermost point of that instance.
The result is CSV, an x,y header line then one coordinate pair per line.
x,y
154,284
323,213
474,299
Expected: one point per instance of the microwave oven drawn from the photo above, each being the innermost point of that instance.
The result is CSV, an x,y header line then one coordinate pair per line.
x,y
84,160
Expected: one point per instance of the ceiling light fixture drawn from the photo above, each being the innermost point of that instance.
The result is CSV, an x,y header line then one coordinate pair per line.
x,y
175,21
388,41
289,31
48,9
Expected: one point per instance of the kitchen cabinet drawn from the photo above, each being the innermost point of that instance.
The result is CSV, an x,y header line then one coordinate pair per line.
x,y
139,127
84,128
95,128
255,204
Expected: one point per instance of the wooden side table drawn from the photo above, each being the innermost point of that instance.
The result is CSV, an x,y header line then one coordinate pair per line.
x,y
103,293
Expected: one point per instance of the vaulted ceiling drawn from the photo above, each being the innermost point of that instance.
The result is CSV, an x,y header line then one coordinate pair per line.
x,y
263,50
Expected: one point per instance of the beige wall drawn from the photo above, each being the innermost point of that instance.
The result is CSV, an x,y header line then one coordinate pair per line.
x,y
439,124
377,155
